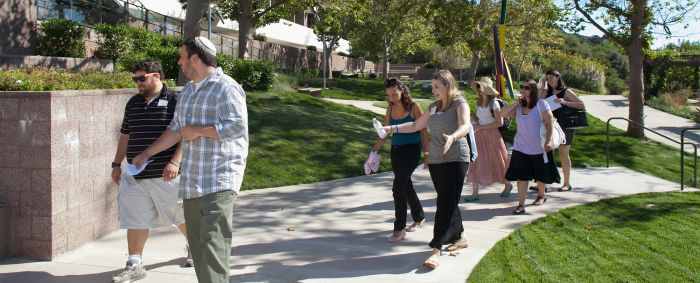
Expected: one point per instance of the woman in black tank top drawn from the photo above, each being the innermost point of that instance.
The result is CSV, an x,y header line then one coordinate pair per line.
x,y
567,98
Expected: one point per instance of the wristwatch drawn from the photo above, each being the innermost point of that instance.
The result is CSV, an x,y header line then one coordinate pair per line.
x,y
116,165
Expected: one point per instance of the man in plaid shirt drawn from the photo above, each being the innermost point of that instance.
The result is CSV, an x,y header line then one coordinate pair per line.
x,y
211,120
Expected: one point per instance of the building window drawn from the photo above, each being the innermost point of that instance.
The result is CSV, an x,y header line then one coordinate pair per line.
x,y
82,11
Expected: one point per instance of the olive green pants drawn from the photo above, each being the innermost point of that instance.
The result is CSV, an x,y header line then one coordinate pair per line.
x,y
209,219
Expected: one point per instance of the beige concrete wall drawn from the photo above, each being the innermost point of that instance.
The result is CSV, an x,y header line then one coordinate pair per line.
x,y
55,173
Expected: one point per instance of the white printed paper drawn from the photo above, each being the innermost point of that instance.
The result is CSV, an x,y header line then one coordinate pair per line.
x,y
552,102
132,170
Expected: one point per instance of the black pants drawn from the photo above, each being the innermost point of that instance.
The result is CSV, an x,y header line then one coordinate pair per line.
x,y
404,159
448,179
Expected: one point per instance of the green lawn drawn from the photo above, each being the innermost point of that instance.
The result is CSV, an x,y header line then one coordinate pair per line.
x,y
363,89
589,148
639,238
640,155
296,138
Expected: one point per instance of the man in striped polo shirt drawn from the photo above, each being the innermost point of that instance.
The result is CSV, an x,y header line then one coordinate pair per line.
x,y
148,199
211,120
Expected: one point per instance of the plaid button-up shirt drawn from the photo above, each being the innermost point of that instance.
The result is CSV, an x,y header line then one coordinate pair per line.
x,y
208,165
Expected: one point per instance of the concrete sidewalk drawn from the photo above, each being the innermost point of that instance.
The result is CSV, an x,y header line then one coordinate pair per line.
x,y
362,104
333,232
605,107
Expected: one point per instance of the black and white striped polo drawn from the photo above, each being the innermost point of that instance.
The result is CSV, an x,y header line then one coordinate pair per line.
x,y
144,123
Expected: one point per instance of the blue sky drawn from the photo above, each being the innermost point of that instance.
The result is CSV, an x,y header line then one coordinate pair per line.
x,y
679,31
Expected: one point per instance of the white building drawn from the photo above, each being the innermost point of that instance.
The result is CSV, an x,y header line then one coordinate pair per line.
x,y
284,32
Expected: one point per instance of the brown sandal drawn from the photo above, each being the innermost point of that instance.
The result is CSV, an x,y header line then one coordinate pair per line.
x,y
415,226
519,210
432,262
461,244
540,200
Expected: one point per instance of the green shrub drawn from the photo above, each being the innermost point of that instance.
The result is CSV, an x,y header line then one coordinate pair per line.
x,y
307,76
128,45
115,42
251,74
143,39
51,79
171,41
675,103
45,80
61,38
168,59
578,72
127,62
614,83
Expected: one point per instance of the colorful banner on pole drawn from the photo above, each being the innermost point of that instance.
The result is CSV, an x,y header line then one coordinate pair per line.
x,y
504,82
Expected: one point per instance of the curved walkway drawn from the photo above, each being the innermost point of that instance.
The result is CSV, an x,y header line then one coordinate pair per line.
x,y
362,104
332,232
605,107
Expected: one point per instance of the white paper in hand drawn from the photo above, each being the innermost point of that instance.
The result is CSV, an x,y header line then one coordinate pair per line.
x,y
132,170
379,128
553,105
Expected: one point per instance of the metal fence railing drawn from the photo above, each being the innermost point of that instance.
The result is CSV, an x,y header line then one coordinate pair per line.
x,y
681,144
132,12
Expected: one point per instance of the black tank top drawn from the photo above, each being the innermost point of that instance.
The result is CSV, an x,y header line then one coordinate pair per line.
x,y
561,95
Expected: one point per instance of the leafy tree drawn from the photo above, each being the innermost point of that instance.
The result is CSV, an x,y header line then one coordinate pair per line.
x,y
256,13
335,20
250,14
388,29
628,23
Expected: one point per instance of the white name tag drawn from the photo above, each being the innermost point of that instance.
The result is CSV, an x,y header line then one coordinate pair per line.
x,y
162,102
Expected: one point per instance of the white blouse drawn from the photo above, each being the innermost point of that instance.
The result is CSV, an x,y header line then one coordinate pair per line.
x,y
483,113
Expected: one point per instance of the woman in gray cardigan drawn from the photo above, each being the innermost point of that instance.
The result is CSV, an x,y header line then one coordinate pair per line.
x,y
448,160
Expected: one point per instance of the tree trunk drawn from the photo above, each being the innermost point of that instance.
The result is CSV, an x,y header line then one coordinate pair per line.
x,y
192,28
195,11
385,60
474,67
476,54
245,26
329,62
636,80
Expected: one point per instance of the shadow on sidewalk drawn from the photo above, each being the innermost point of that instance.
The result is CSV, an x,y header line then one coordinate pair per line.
x,y
45,277
341,268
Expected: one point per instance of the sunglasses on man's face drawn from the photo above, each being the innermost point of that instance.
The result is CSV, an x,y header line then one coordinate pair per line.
x,y
525,87
141,78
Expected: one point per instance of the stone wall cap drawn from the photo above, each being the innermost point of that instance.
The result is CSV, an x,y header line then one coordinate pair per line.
x,y
68,93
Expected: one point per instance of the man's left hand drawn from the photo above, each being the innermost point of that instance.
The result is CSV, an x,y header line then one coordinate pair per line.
x,y
170,171
190,133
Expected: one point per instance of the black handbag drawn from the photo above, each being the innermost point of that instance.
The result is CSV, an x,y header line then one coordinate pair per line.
x,y
572,118
569,117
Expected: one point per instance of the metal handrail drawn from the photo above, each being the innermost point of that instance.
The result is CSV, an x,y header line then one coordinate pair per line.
x,y
695,180
681,143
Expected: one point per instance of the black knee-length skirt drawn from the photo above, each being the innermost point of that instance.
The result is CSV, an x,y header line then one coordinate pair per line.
x,y
525,167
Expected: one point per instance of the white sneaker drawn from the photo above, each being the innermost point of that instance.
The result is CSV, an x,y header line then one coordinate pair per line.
x,y
188,261
131,273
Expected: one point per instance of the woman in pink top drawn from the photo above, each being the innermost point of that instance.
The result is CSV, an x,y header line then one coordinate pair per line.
x,y
490,165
